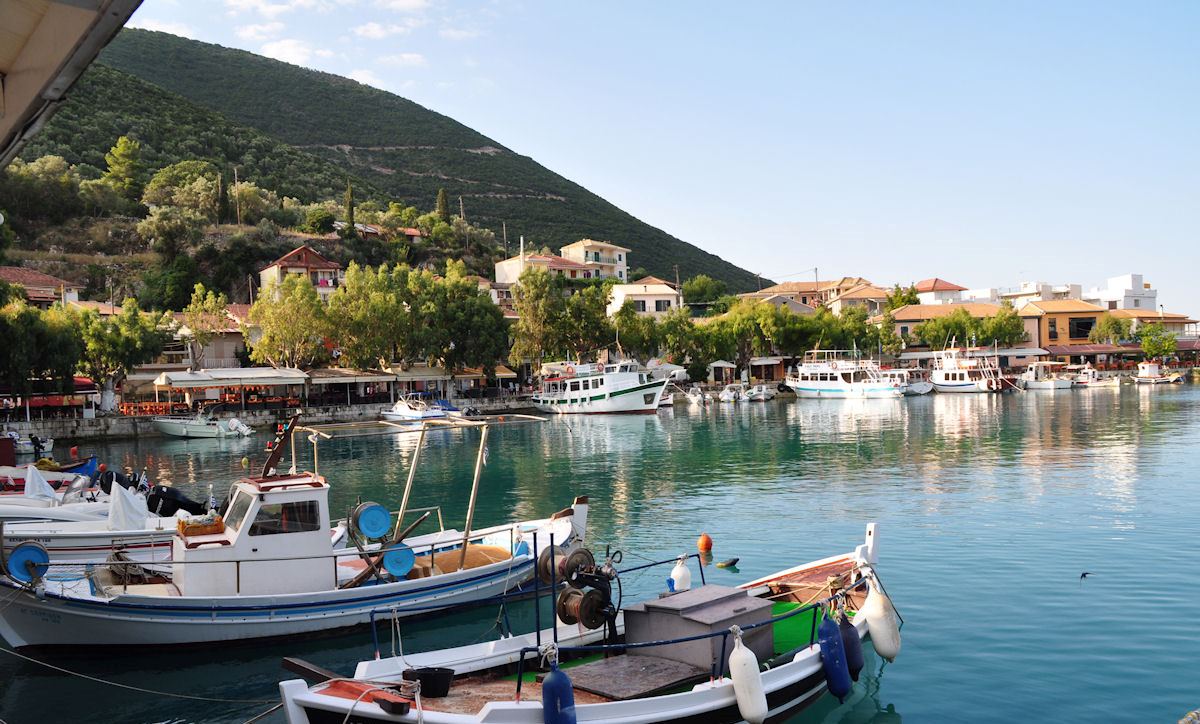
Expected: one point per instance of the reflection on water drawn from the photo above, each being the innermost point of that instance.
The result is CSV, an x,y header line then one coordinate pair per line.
x,y
989,507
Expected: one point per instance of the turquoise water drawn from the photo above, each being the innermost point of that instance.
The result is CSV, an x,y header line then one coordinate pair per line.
x,y
989,507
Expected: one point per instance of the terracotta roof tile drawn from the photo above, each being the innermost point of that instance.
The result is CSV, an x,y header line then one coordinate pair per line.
x,y
34,278
938,285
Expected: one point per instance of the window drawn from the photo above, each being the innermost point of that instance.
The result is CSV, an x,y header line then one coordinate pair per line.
x,y
1080,327
903,330
575,387
1053,328
587,384
621,274
599,382
276,518
1113,305
1137,302
237,511
619,258
572,273
662,305
639,305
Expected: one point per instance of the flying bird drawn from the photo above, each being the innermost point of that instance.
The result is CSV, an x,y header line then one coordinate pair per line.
x,y
1084,575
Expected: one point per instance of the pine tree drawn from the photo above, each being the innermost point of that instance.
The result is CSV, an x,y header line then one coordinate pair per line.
x,y
443,206
124,167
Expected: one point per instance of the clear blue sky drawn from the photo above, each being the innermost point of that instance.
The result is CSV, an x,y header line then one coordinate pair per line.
x,y
985,143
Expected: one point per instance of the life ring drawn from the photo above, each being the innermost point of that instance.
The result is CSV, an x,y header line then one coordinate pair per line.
x,y
570,370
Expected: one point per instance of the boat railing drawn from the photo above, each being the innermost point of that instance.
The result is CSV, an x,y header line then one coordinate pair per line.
x,y
718,666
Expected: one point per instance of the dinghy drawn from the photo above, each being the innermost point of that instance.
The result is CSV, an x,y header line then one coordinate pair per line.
x,y
712,653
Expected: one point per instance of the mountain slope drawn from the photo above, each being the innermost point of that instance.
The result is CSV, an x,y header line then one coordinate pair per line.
x,y
404,150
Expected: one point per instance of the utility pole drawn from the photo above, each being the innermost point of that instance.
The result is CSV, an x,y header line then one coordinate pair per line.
x,y
676,276
504,230
462,214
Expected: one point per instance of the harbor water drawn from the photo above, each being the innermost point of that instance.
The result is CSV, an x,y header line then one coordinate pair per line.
x,y
989,509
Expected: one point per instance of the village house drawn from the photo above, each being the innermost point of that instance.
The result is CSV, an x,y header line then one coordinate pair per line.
x,y
1177,324
938,291
1128,291
650,297
41,290
1058,324
509,271
864,295
609,260
809,294
908,317
324,274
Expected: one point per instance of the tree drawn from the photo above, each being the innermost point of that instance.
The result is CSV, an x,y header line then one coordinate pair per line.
x,y
443,206
252,202
114,345
293,323
585,321
1109,330
369,316
455,323
37,346
637,334
125,167
318,221
1157,341
193,185
1005,329
889,341
941,331
537,333
101,198
168,228
702,289
47,188
169,286
204,317
350,230
900,297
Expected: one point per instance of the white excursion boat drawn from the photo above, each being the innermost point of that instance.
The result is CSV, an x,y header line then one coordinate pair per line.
x,y
413,409
201,425
955,371
839,373
1152,373
268,568
912,381
585,388
735,392
1088,376
1044,376
772,648
760,393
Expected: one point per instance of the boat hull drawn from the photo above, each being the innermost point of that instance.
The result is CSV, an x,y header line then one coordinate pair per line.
x,y
918,388
642,398
848,391
953,387
1165,380
1046,384
25,447
184,428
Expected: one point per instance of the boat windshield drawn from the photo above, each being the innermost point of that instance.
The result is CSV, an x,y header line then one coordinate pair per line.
x,y
237,511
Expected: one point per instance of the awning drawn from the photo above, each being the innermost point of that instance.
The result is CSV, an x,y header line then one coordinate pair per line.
x,y
982,352
341,376
232,377
476,373
420,374
765,361
1062,350
723,364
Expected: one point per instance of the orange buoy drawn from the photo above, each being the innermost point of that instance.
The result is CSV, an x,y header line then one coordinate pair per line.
x,y
704,543
103,467
74,453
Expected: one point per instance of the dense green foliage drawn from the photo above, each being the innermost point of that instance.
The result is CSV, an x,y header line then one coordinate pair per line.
x,y
392,146
702,289
1157,341
959,327
1110,330
900,297
114,345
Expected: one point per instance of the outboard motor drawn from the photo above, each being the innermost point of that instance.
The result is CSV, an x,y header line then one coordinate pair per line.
x,y
166,501
107,478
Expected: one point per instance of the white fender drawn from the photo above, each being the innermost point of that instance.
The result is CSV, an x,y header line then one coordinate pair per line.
x,y
681,575
881,623
747,682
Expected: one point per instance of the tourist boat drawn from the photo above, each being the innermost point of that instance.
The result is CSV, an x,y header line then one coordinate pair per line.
x,y
760,393
569,388
912,381
26,446
1152,373
1044,376
1088,376
413,409
654,668
955,371
735,392
201,425
267,567
839,373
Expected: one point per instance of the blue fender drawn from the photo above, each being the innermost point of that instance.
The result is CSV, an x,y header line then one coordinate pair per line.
x,y
852,644
558,698
833,659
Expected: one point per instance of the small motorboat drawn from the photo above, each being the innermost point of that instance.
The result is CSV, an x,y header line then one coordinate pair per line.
x,y
764,650
733,393
913,381
413,409
85,466
1089,377
201,425
759,393
12,479
1044,376
32,445
695,396
1153,373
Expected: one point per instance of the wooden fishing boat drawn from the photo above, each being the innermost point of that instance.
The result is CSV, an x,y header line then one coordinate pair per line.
x,y
1152,373
678,658
1044,375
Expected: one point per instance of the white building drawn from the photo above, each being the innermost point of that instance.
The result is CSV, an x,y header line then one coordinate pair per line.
x,y
655,299
509,271
324,274
938,291
610,260
1128,291
1029,292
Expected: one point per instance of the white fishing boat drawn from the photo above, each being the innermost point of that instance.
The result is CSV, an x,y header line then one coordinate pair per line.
x,y
735,392
912,381
760,393
201,425
957,370
1044,376
1153,373
28,446
763,651
838,374
696,396
269,568
583,388
1089,377
413,409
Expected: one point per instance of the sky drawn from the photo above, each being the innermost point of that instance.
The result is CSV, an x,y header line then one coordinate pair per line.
x,y
986,143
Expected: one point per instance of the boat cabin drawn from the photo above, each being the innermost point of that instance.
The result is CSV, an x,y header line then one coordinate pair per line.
x,y
273,539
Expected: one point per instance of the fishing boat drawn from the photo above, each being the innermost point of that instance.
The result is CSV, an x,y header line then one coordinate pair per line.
x,y
267,567
12,479
38,500
200,425
957,370
735,392
762,651
1152,373
1089,377
760,393
696,396
583,388
1044,376
838,374
85,466
912,381
32,445
413,409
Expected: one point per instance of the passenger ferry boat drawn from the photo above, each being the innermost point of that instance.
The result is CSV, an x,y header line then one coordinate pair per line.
x,y
837,373
954,371
581,388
